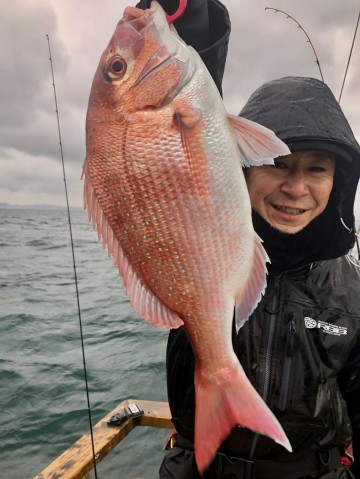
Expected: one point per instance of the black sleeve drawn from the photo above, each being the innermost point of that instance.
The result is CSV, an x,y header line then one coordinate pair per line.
x,y
205,26
180,367
214,56
349,382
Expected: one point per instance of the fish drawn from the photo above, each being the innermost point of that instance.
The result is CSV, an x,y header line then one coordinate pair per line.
x,y
164,187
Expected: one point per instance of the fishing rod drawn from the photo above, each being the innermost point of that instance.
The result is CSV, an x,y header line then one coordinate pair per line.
x,y
351,50
74,263
276,10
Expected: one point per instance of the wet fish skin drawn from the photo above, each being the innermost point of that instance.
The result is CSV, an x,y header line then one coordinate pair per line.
x,y
164,187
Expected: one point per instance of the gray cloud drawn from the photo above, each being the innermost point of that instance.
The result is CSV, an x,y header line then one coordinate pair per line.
x,y
24,64
264,45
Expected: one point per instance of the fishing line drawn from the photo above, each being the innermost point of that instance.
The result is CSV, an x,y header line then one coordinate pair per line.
x,y
276,10
74,263
351,49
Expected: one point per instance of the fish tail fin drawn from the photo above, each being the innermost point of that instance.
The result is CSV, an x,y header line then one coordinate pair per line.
x,y
226,401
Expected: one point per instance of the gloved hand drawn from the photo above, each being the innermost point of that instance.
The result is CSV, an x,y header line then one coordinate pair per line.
x,y
170,6
193,25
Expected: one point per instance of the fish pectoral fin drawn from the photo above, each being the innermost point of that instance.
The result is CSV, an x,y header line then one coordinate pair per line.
x,y
250,295
257,145
188,116
189,123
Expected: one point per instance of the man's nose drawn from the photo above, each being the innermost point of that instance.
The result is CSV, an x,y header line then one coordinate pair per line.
x,y
295,184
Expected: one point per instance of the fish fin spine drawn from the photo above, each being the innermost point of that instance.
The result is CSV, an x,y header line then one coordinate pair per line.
x,y
254,289
225,402
257,144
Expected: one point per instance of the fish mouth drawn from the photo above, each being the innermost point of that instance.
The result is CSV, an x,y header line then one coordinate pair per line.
x,y
152,22
137,18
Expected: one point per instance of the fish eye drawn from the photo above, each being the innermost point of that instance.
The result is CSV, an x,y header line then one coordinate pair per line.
x,y
116,68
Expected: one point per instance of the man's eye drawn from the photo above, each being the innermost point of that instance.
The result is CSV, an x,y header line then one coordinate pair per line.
x,y
317,169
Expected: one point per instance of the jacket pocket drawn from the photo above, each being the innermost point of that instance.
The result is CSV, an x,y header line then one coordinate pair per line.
x,y
286,377
331,407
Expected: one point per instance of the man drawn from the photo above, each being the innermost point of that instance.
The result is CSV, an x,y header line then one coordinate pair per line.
x,y
301,346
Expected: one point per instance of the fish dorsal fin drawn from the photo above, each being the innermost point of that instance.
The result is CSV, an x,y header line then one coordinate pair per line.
x,y
255,286
257,145
144,302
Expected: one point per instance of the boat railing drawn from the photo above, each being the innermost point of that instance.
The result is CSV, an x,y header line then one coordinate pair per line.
x,y
77,461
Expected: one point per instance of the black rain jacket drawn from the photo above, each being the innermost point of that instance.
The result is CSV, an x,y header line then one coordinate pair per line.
x,y
301,347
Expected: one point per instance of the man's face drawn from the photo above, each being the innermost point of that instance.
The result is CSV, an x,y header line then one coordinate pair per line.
x,y
293,192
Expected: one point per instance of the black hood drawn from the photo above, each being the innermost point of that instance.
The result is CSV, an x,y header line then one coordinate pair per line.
x,y
304,113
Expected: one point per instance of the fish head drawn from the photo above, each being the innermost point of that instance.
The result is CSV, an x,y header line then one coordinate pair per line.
x,y
144,65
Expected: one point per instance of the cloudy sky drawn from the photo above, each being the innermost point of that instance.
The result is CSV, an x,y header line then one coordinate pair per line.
x,y
264,45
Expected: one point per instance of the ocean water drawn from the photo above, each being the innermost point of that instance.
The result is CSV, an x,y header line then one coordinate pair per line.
x,y
43,407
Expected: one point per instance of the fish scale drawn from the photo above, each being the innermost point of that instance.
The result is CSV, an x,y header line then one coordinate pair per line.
x,y
164,188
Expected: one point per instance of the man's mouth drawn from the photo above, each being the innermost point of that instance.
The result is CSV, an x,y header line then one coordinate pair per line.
x,y
289,211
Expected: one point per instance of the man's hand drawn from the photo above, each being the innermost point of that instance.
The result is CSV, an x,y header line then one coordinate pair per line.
x,y
170,6
193,25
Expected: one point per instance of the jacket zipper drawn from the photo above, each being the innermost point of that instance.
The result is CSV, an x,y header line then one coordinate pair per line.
x,y
290,340
269,349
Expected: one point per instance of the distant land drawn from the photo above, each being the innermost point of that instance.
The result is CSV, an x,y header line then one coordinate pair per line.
x,y
7,206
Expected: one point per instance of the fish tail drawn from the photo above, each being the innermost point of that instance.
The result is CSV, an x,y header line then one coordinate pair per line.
x,y
224,402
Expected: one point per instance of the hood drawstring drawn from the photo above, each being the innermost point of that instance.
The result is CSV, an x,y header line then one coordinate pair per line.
x,y
357,245
346,227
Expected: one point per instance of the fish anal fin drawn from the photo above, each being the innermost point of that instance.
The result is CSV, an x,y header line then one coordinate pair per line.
x,y
257,144
144,302
226,401
248,298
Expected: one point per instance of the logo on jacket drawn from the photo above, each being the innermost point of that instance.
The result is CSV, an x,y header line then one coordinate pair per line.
x,y
311,323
